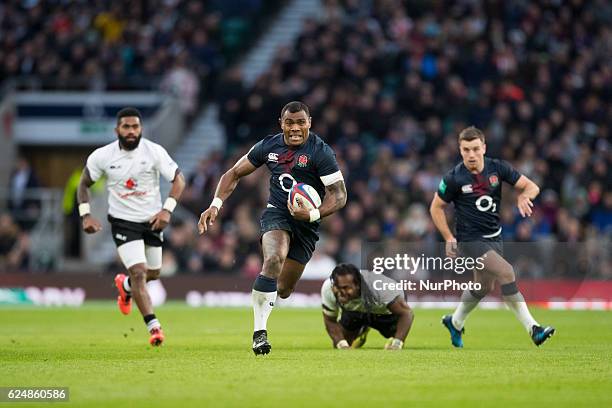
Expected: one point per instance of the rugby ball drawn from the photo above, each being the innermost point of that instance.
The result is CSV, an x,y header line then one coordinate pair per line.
x,y
306,194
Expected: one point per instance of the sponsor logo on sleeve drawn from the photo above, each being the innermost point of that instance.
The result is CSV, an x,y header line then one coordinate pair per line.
x,y
442,187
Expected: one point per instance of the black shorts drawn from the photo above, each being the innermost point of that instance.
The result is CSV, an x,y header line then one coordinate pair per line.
x,y
127,231
386,324
479,246
304,235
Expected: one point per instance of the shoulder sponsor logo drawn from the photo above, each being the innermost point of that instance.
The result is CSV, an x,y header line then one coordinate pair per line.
x,y
273,157
442,187
467,189
112,167
493,180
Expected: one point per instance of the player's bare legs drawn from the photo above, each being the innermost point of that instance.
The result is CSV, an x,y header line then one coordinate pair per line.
x,y
496,265
138,280
275,246
153,274
289,276
124,287
504,273
138,290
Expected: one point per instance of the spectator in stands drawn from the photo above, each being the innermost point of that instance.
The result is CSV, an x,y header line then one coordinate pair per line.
x,y
22,202
14,245
391,84
182,82
105,45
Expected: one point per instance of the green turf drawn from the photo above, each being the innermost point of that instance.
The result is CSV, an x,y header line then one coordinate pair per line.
x,y
106,361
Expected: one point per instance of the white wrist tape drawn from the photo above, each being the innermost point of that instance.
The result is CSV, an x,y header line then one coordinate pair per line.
x,y
315,215
169,204
397,343
342,343
217,202
84,209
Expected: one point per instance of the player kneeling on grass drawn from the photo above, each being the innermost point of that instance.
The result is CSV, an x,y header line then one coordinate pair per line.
x,y
350,293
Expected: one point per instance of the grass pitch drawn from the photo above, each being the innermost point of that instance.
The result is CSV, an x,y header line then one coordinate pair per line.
x,y
105,360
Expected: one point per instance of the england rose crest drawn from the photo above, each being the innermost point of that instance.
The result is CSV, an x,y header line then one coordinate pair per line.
x,y
493,180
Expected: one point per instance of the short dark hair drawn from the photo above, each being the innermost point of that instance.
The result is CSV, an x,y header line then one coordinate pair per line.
x,y
295,106
346,269
471,133
128,112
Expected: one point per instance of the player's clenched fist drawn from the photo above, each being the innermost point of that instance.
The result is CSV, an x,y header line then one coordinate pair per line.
x,y
160,220
207,218
91,225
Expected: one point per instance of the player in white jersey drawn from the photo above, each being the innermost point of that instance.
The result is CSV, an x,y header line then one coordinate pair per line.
x,y
132,166
354,301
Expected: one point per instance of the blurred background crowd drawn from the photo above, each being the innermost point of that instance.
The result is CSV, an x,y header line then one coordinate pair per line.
x,y
179,45
389,83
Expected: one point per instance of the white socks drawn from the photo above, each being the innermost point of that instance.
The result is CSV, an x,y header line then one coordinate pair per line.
x,y
126,285
467,304
517,304
263,303
512,298
153,324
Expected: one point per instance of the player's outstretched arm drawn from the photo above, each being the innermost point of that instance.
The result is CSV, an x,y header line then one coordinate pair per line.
x,y
90,224
406,316
162,218
334,330
436,209
528,191
227,184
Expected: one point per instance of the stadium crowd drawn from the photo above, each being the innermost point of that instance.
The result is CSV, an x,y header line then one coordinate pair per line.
x,y
389,83
390,87
178,45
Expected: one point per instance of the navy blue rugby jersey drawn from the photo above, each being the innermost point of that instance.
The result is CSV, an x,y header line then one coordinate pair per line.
x,y
313,163
477,197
